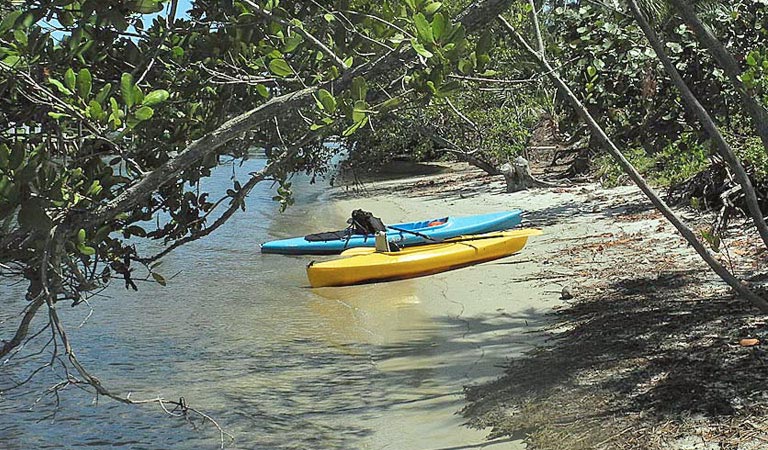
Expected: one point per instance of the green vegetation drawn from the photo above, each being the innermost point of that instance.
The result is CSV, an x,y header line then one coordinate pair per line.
x,y
113,112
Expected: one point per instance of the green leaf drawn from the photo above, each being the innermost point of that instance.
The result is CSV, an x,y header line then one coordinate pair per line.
x,y
17,157
95,188
144,113
439,25
423,28
95,110
329,17
146,6
81,236
155,97
466,66
262,90
280,67
432,8
138,95
126,88
59,86
57,116
12,60
5,154
159,278
115,115
104,92
354,127
484,44
21,37
591,71
392,103
327,100
86,250
9,21
134,230
448,88
359,112
420,49
359,88
712,239
4,183
84,83
292,41
69,78
102,233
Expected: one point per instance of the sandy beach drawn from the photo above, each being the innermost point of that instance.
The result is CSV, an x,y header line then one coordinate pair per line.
x,y
482,335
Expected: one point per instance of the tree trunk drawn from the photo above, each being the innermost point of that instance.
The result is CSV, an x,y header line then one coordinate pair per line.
x,y
706,121
599,133
518,176
483,165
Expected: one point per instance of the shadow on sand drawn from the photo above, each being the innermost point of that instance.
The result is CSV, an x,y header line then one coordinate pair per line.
x,y
658,348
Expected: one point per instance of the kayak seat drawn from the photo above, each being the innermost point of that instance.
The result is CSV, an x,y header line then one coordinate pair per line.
x,y
328,236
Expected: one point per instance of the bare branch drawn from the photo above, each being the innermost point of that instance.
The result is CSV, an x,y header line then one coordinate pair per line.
x,y
23,329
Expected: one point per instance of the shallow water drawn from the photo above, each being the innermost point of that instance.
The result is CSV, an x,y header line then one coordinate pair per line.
x,y
241,337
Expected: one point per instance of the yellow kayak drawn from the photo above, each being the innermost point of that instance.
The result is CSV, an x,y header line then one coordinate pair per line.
x,y
363,265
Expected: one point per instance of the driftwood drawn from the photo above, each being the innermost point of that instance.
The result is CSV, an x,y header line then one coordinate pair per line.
x,y
518,176
714,189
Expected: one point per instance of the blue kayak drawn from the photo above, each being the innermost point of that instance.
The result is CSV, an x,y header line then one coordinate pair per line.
x,y
413,233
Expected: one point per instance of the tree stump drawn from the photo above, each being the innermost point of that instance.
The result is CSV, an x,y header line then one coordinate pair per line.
x,y
518,176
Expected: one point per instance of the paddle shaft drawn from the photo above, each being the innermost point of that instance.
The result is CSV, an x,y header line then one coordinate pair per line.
x,y
437,240
416,233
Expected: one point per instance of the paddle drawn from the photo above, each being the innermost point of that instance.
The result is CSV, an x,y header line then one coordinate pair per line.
x,y
436,240
525,232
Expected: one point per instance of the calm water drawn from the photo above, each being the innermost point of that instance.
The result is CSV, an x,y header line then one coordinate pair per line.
x,y
239,335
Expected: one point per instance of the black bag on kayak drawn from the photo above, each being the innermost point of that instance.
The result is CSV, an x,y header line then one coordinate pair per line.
x,y
363,222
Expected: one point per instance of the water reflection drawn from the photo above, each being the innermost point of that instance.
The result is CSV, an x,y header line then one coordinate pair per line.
x,y
376,314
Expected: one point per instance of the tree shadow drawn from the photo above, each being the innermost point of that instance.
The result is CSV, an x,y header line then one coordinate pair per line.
x,y
664,347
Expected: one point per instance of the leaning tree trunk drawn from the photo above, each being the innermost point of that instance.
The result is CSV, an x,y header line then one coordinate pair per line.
x,y
465,155
706,121
758,113
630,170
